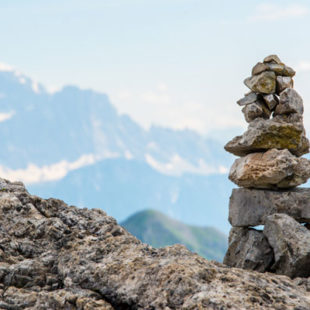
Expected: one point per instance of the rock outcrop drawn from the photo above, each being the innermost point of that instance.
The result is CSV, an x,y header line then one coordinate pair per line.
x,y
269,170
55,256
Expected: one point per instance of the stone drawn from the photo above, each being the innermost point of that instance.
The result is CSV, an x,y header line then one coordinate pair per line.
x,y
259,68
55,256
247,99
291,245
254,110
277,68
272,59
250,207
274,169
290,102
271,101
284,82
248,249
268,134
264,82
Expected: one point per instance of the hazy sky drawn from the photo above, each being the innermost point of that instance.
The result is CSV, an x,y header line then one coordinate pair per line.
x,y
176,63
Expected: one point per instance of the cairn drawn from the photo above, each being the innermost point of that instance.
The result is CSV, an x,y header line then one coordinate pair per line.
x,y
268,172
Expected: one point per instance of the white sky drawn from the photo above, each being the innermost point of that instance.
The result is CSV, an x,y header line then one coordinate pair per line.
x,y
175,63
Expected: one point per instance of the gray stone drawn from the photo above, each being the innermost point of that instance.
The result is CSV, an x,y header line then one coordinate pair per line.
x,y
264,82
267,134
272,59
290,102
284,82
291,245
271,101
274,169
278,69
259,68
55,256
247,99
248,249
250,207
254,110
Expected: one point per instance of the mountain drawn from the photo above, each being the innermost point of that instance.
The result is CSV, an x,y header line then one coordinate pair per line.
x,y
73,142
158,230
122,187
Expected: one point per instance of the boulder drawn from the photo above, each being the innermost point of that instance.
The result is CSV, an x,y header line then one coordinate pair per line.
x,y
291,245
264,82
254,110
248,249
250,207
290,102
247,99
284,82
271,101
55,256
272,169
267,134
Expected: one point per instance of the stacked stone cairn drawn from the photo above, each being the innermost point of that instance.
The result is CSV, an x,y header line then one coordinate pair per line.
x,y
268,172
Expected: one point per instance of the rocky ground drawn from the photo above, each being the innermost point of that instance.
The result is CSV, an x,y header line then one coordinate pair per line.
x,y
54,256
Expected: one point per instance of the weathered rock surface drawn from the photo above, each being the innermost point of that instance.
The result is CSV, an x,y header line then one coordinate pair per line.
x,y
270,134
271,101
272,169
278,69
248,249
284,82
264,82
272,59
254,110
291,245
247,99
290,102
250,207
54,256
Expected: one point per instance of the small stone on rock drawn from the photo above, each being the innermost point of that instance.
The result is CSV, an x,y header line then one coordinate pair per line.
x,y
264,82
284,82
247,99
259,68
254,110
290,102
272,59
271,101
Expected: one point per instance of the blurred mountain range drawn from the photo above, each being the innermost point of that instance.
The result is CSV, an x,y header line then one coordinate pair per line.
x,y
74,145
159,230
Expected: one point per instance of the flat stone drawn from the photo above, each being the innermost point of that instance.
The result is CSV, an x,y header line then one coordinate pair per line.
x,y
248,249
272,59
291,245
290,102
259,68
267,134
254,110
247,99
273,169
271,101
264,82
284,82
250,207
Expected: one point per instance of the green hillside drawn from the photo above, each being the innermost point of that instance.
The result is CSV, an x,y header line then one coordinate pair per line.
x,y
159,230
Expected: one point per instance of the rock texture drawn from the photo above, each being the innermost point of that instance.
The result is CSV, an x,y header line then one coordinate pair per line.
x,y
54,256
250,207
269,134
291,244
269,169
272,169
248,249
